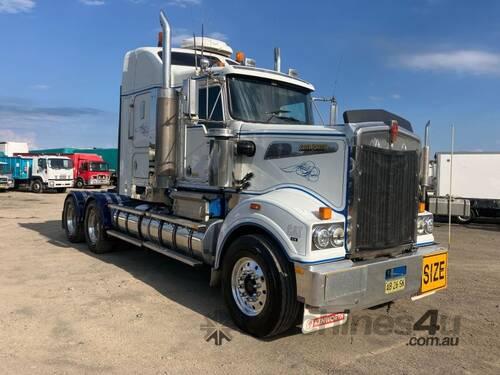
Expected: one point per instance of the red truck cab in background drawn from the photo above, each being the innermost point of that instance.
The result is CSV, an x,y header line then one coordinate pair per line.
x,y
89,170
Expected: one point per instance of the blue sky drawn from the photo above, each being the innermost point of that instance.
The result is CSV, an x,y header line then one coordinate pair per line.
x,y
60,67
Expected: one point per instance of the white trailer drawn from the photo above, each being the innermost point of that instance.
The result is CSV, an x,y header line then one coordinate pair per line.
x,y
11,148
221,165
475,184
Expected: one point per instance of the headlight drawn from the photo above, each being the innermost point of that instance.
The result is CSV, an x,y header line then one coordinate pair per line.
x,y
429,225
420,225
336,235
425,224
321,237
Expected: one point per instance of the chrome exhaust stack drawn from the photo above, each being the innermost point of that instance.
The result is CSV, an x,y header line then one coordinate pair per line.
x,y
277,59
424,182
166,123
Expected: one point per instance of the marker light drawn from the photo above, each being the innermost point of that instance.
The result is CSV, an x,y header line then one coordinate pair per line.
x,y
255,206
394,131
240,57
325,213
160,38
421,207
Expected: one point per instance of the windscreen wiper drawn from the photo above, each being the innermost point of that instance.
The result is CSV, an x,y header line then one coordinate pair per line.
x,y
275,114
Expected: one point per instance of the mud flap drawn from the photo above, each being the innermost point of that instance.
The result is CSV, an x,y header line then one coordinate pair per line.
x,y
315,321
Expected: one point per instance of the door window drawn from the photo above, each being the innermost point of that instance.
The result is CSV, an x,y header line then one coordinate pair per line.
x,y
214,101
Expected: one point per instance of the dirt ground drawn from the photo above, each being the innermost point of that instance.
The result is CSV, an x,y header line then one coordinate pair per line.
x,y
66,310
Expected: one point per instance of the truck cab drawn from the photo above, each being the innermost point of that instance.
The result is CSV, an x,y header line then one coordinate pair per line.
x,y
6,180
90,170
222,164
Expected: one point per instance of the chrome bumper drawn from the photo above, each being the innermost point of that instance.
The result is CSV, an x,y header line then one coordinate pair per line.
x,y
60,184
346,285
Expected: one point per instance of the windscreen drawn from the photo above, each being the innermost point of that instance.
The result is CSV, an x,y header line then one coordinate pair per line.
x,y
267,101
4,168
99,167
61,163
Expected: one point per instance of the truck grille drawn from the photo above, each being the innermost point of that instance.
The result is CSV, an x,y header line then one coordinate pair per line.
x,y
385,199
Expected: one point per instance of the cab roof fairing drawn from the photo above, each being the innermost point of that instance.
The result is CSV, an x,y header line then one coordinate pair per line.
x,y
150,72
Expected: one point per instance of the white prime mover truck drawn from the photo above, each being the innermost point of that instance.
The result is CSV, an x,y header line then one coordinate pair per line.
x,y
475,185
221,165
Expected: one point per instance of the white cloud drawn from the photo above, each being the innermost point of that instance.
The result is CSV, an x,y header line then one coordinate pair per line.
x,y
16,6
474,62
93,2
396,96
9,135
178,35
374,98
184,3
25,121
218,35
40,87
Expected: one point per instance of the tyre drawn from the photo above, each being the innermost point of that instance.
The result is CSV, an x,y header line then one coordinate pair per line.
x,y
258,285
95,234
61,190
72,226
79,184
36,186
466,219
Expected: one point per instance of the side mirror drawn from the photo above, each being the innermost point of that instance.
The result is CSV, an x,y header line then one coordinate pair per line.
x,y
190,98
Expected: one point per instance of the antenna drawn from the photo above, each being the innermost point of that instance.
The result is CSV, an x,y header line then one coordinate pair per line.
x,y
202,39
335,82
451,180
195,56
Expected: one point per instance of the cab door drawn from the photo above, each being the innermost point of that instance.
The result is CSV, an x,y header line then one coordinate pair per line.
x,y
197,144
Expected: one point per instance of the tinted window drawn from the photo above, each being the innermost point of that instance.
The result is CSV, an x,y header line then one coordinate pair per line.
x,y
187,59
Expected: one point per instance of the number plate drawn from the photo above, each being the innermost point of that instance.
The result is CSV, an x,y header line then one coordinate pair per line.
x,y
434,272
395,285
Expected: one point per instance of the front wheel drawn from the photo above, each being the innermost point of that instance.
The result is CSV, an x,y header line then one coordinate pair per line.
x,y
36,186
95,234
258,284
79,184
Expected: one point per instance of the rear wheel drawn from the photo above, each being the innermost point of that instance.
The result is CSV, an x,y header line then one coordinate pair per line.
x,y
95,234
36,186
72,226
258,284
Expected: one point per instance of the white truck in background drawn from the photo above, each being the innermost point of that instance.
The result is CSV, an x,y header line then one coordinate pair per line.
x,y
222,165
475,185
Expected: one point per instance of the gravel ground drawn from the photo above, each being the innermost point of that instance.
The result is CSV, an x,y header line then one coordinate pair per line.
x,y
66,310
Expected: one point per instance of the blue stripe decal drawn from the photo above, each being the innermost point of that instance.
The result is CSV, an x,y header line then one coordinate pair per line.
x,y
425,244
320,261
288,134
308,192
140,91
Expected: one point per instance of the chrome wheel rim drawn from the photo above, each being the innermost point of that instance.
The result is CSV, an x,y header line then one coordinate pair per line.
x,y
248,284
70,218
93,226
